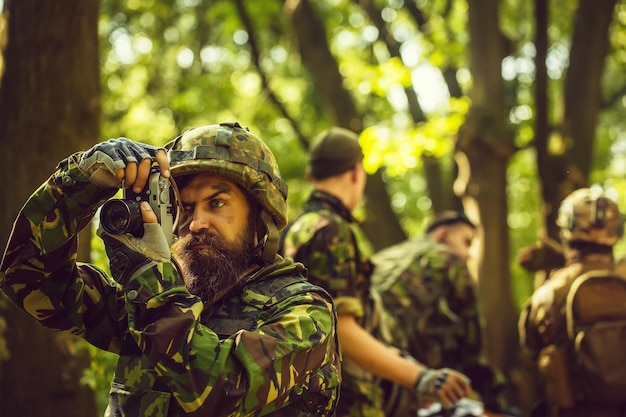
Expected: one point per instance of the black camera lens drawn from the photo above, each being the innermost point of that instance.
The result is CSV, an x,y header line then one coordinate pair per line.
x,y
122,216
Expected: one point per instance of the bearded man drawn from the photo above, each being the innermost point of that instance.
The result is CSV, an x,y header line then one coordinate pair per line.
x,y
220,326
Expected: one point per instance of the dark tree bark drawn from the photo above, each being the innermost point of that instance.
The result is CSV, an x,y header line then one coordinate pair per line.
x,y
49,108
484,148
564,172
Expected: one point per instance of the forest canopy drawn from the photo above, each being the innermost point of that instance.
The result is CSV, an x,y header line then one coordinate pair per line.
x,y
499,108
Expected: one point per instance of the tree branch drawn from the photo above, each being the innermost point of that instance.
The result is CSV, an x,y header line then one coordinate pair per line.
x,y
256,57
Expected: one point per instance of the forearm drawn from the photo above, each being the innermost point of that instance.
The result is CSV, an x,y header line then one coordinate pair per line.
x,y
52,216
39,271
374,356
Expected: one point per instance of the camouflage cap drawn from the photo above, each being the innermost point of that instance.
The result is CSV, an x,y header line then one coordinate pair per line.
x,y
229,150
588,215
334,152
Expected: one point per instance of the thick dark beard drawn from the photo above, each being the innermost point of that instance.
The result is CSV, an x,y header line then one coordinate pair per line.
x,y
208,271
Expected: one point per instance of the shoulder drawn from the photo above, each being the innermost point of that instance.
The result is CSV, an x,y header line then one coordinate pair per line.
x,y
441,256
277,287
316,221
319,228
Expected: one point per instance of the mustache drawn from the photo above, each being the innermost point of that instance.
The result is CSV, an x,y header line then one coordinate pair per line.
x,y
202,238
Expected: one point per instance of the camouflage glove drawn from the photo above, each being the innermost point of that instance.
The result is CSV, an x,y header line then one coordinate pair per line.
x,y
101,163
128,255
445,386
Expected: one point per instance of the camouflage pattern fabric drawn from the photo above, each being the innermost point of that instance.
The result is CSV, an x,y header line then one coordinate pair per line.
x,y
268,349
233,152
328,241
427,304
424,283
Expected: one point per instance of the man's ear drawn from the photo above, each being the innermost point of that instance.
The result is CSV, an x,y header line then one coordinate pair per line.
x,y
356,171
441,234
354,174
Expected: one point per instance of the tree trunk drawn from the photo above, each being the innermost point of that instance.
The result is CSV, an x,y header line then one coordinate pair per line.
x,y
49,108
568,170
484,148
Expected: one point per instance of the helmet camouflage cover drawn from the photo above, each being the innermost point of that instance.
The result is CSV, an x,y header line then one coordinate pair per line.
x,y
232,151
588,215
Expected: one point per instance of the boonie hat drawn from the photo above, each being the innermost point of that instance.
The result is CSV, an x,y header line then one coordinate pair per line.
x,y
334,152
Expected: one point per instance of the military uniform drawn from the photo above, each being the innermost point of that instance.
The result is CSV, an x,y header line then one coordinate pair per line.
x,y
424,283
267,348
428,307
327,239
590,225
542,323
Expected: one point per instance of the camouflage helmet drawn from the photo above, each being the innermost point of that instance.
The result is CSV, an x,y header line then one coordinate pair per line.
x,y
230,150
588,215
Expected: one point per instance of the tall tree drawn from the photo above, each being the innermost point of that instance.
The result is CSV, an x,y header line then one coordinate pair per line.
x,y
49,108
483,150
568,165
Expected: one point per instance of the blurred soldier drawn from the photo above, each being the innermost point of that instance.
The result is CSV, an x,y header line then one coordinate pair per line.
x,y
574,324
225,328
429,308
326,238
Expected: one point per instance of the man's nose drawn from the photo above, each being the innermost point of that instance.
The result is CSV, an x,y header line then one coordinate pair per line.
x,y
199,222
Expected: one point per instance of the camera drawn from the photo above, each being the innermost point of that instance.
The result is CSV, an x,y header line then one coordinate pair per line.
x,y
124,215
466,407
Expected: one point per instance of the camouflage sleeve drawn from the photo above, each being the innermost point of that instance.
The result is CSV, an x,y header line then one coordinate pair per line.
x,y
291,353
326,246
439,284
39,271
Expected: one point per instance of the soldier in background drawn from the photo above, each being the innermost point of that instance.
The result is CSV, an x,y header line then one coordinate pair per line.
x,y
428,307
225,327
327,239
590,225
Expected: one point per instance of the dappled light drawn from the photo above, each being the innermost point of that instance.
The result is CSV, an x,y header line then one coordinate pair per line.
x,y
452,113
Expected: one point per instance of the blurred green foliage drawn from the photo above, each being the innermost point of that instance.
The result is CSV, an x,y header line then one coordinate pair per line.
x,y
173,64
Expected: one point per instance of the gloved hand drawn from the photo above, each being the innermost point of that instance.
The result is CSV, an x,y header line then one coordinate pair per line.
x,y
102,163
128,254
445,386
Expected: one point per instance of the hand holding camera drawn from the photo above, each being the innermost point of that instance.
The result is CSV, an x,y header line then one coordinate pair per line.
x,y
122,162
128,254
143,171
120,216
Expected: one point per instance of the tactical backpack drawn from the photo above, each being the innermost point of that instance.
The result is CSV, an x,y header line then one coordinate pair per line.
x,y
595,314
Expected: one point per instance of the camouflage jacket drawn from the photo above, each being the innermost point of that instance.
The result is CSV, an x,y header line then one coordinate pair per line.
x,y
423,283
267,349
328,241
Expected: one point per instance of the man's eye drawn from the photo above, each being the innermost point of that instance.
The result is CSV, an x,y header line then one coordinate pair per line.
x,y
216,203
